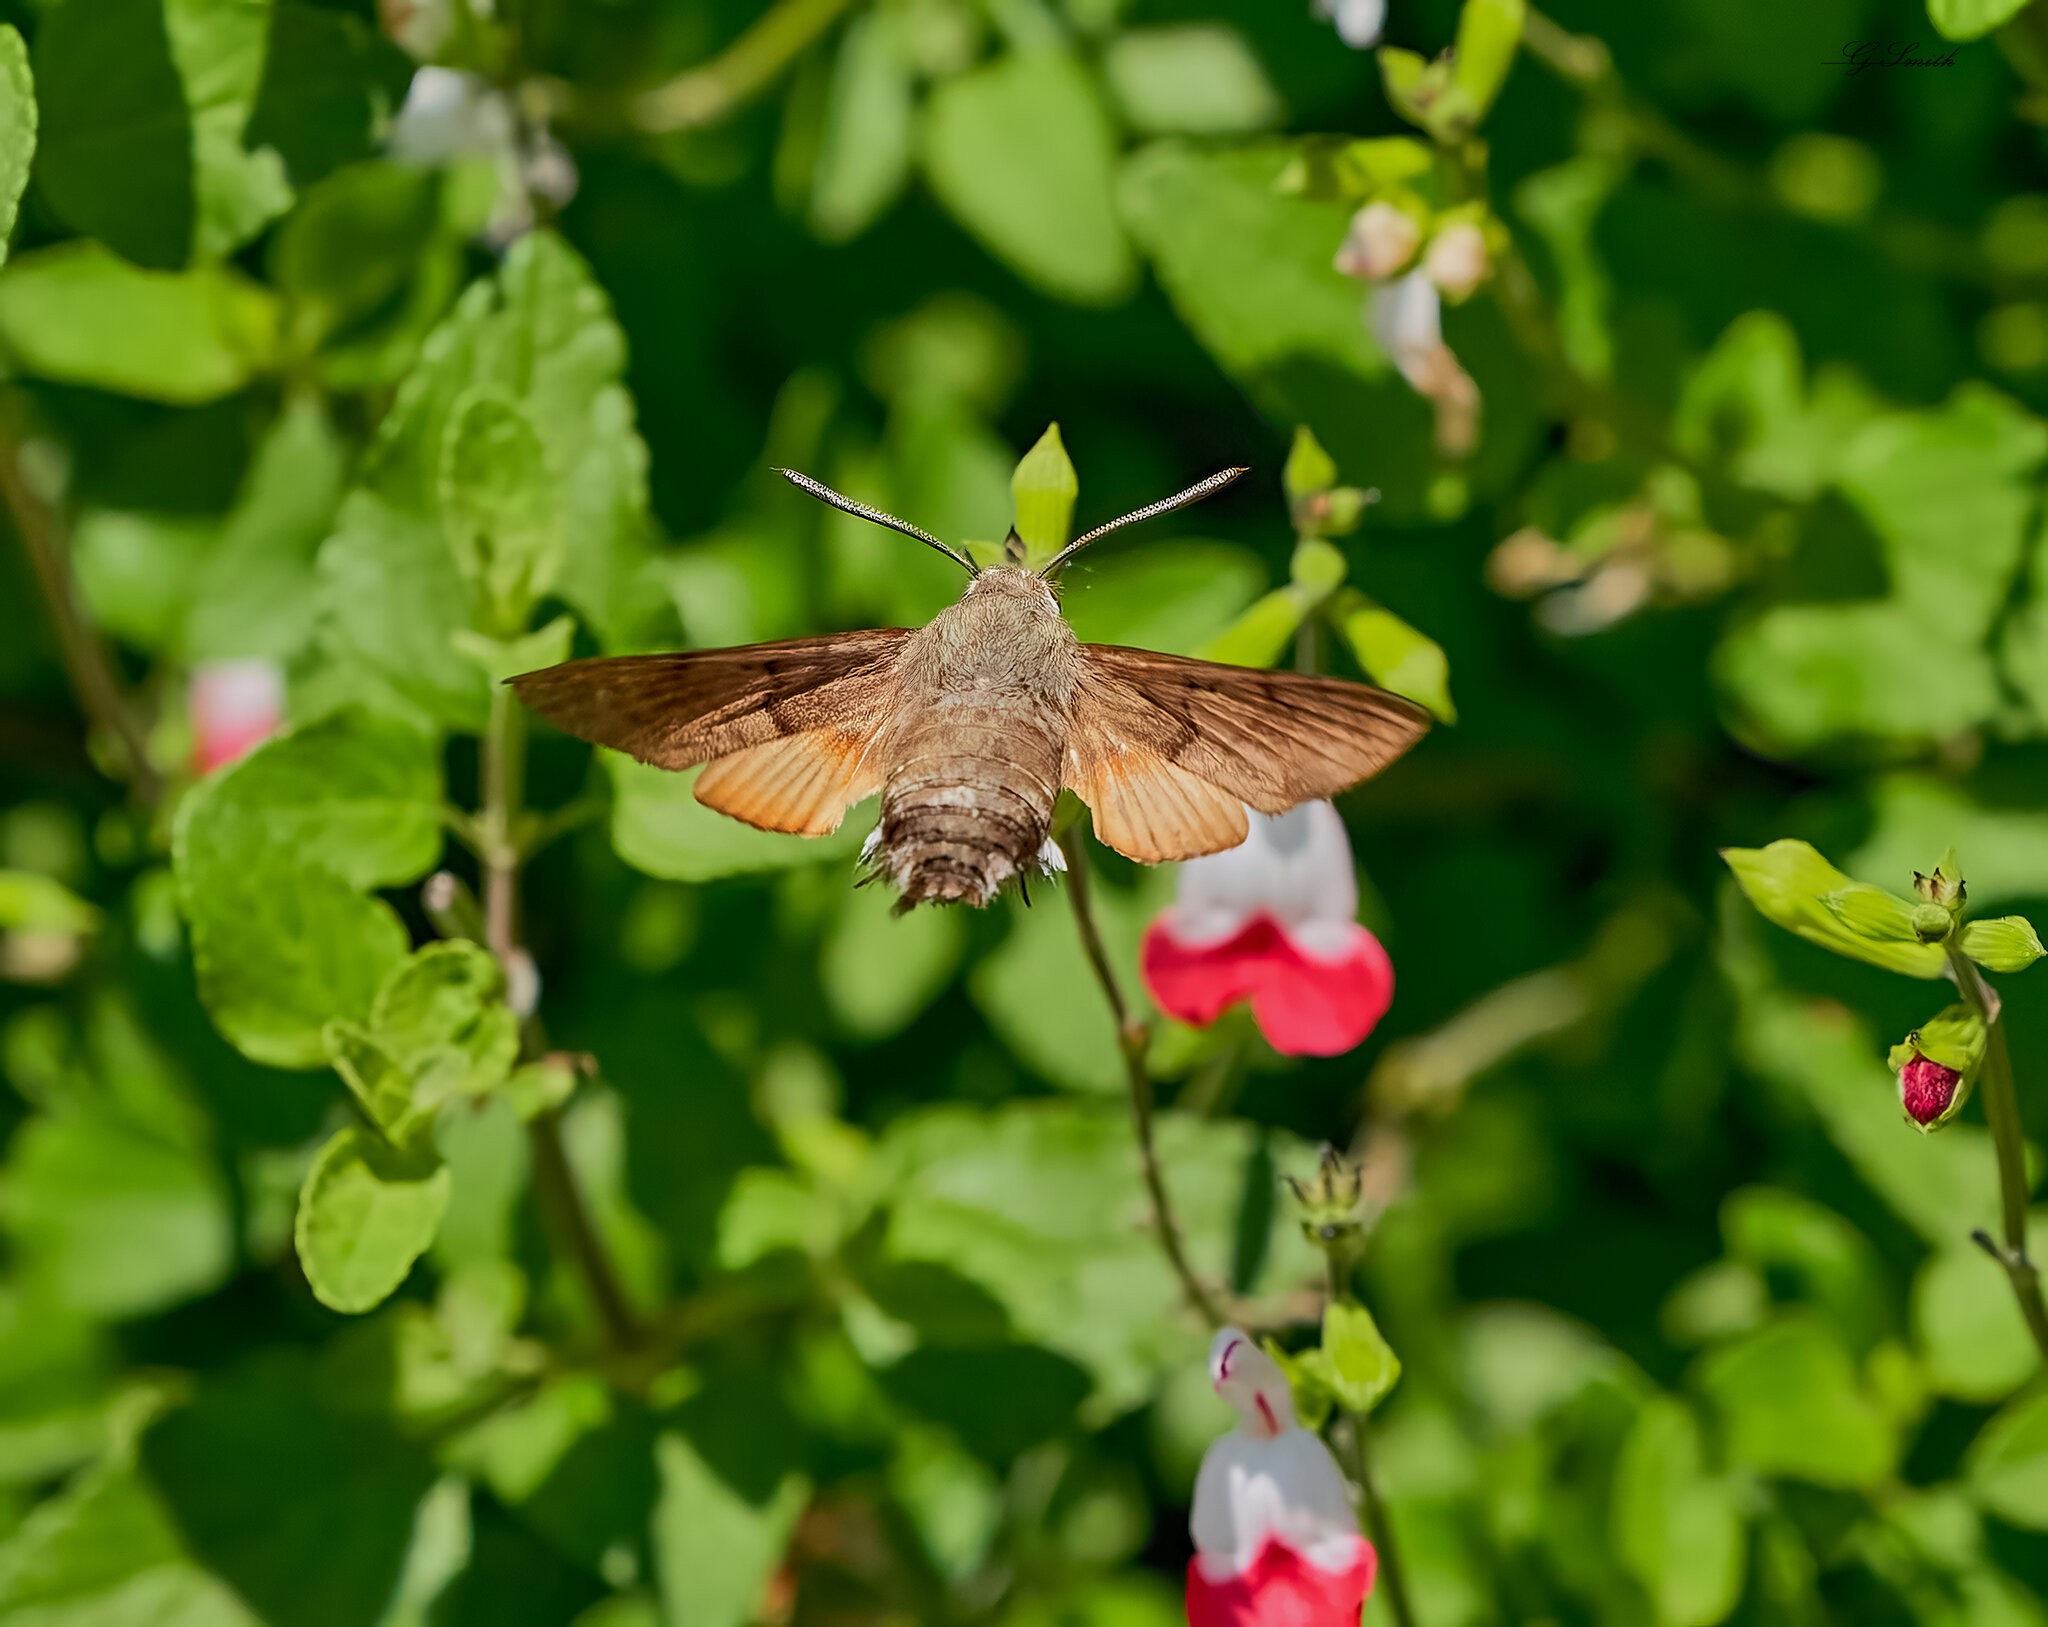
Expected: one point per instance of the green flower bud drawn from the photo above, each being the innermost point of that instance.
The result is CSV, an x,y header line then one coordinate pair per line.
x,y
1932,923
1332,1202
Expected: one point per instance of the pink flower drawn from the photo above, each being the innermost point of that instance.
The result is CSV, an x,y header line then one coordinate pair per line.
x,y
1276,1542
1272,921
235,706
1928,1091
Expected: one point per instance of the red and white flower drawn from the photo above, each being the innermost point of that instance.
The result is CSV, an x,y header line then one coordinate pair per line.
x,y
1273,922
1276,1541
235,707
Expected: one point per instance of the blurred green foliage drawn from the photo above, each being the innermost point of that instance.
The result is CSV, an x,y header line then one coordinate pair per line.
x,y
714,1248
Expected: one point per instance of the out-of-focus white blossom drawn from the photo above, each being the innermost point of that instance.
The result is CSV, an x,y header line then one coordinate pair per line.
x,y
1456,259
1405,316
235,706
1381,241
450,116
1358,21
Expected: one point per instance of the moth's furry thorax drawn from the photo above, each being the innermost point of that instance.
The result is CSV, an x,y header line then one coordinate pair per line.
x,y
973,755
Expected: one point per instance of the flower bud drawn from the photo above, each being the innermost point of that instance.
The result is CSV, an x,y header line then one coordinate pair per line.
x,y
1382,241
1457,260
1331,1201
1945,887
1932,923
1929,1092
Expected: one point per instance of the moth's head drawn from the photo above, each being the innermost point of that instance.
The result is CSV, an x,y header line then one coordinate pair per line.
x,y
1012,584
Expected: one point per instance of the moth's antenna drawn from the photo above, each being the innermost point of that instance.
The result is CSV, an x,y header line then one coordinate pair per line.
x,y
1194,494
846,505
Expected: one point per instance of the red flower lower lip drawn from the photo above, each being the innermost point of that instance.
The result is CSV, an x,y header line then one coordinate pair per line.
x,y
1281,1588
1305,1004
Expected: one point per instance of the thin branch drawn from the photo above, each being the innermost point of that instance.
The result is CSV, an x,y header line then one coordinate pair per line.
x,y
1132,1038
85,657
564,1211
2002,1110
1378,1527
715,90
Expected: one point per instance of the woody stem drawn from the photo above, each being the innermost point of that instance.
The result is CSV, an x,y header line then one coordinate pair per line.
x,y
2002,1110
1358,1451
564,1211
1132,1039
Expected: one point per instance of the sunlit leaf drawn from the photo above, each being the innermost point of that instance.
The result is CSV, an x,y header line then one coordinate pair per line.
x,y
366,1213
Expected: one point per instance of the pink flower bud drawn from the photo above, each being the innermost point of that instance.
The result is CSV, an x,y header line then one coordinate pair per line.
x,y
235,706
1927,1090
1456,260
1381,241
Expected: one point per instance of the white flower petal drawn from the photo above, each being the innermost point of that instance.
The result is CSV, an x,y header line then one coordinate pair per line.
x,y
1406,319
1288,1488
1294,866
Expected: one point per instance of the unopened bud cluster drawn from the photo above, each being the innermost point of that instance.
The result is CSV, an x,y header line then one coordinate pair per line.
x,y
1332,1203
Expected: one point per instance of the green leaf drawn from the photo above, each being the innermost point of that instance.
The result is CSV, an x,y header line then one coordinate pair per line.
x,y
1169,596
1362,1367
1044,488
443,1015
1394,655
352,245
1197,79
117,1222
1791,1405
1309,468
880,970
1971,19
2009,944
365,1214
393,601
719,1531
1872,913
659,827
103,1552
306,1511
1790,884
1973,1341
864,149
1039,1205
1677,1528
2006,1470
255,594
1939,505
269,857
1260,636
116,158
540,333
218,49
1021,153
330,82
36,903
1489,34
17,128
497,505
76,314
1040,999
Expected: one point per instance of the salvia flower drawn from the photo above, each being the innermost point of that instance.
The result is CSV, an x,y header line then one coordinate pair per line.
x,y
235,707
1381,241
1276,1542
1273,922
1929,1092
450,116
1406,319
1456,259
1358,21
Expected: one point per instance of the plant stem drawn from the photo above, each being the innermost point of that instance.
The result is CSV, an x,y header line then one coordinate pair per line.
x,y
1131,1039
2002,1109
85,657
564,1212
1359,1452
743,70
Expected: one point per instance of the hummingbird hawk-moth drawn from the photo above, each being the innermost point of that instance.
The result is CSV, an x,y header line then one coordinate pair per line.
x,y
971,725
